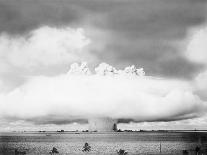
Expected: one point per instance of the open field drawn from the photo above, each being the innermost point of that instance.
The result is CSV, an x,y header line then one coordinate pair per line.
x,y
103,143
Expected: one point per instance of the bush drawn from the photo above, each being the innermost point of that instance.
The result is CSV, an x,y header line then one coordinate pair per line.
x,y
121,152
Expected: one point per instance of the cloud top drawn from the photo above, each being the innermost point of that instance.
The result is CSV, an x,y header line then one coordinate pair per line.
x,y
104,69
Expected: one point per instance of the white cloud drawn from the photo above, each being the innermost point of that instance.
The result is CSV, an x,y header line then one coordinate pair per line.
x,y
106,69
141,98
196,50
42,51
21,125
1,85
44,47
199,123
200,83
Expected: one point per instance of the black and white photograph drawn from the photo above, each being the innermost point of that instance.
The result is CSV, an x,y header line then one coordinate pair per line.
x,y
103,77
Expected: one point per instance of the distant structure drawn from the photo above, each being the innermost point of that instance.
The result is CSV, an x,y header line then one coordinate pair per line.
x,y
115,127
102,124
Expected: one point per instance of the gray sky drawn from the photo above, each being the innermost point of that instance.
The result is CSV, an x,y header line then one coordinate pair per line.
x,y
142,32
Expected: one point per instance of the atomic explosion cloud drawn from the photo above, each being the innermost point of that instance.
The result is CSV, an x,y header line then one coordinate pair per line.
x,y
108,93
103,96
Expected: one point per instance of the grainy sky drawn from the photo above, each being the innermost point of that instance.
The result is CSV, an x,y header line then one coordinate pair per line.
x,y
152,34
